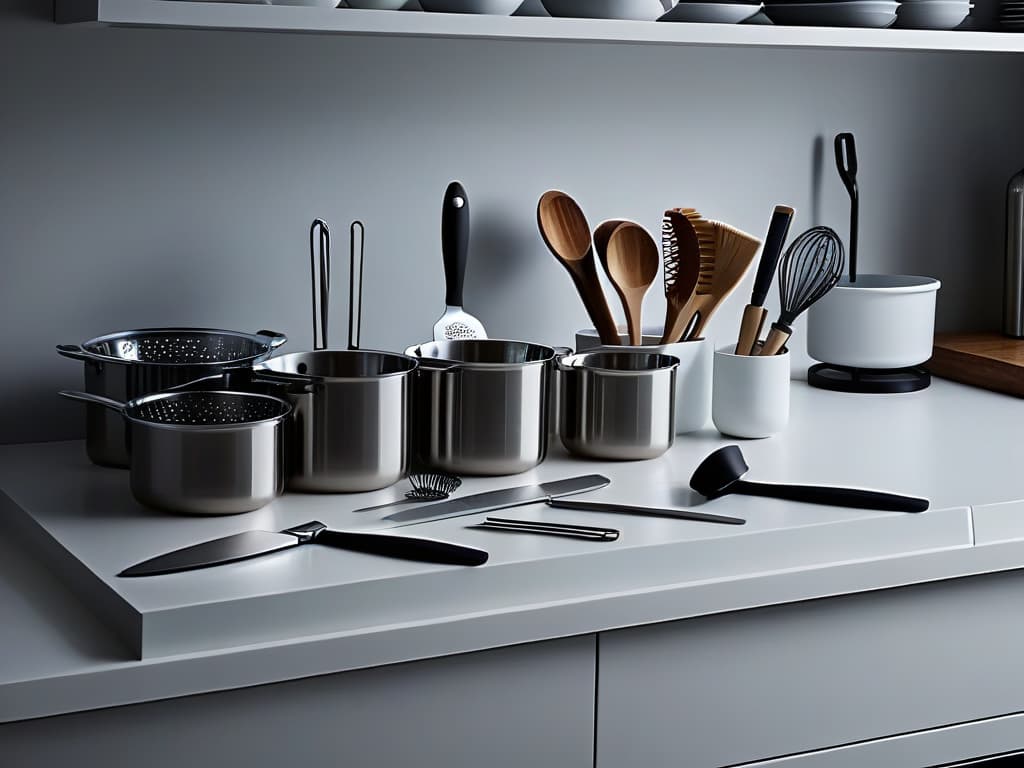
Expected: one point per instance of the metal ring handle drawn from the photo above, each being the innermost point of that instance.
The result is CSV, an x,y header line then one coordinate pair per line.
x,y
355,284
320,278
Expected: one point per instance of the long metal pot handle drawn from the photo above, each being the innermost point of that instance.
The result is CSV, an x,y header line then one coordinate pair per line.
x,y
274,339
75,352
88,397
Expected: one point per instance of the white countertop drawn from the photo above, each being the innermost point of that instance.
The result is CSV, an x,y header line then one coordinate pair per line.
x,y
316,610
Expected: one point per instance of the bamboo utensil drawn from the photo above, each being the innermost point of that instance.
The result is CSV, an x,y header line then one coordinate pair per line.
x,y
681,256
567,235
754,315
632,265
811,267
726,254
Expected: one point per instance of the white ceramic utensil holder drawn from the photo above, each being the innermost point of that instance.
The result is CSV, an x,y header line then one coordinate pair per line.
x,y
693,377
751,393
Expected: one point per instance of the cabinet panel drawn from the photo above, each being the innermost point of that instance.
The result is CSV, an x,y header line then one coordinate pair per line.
x,y
777,681
528,705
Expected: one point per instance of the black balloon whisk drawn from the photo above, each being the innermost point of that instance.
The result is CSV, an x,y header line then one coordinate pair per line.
x,y
810,268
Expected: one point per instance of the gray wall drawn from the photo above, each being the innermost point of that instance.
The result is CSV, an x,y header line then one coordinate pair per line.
x,y
169,177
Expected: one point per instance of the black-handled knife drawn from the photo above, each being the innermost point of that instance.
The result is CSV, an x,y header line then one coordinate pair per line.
x,y
754,314
250,544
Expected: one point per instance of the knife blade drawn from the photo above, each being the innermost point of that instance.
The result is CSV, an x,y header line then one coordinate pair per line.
x,y
249,544
492,500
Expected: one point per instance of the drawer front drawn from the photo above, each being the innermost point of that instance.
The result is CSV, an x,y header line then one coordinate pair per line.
x,y
737,688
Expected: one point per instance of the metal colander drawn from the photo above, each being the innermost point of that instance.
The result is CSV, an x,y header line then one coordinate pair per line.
x,y
196,409
182,346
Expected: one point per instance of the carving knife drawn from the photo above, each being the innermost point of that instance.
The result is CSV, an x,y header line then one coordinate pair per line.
x,y
492,500
249,544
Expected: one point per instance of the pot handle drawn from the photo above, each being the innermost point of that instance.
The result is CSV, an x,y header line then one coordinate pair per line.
x,y
274,339
560,354
441,366
88,397
74,351
203,380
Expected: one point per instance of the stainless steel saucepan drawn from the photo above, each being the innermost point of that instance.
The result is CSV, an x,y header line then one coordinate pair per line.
x,y
350,430
202,453
129,364
482,405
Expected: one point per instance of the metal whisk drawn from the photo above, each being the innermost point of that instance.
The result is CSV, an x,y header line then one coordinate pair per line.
x,y
810,268
432,486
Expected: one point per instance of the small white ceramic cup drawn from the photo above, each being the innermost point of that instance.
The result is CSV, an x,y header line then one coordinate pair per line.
x,y
693,377
751,393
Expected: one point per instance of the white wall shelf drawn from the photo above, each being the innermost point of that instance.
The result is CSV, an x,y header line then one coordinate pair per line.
x,y
268,18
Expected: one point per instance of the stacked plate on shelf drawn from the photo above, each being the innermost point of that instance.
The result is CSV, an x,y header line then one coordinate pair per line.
x,y
638,10
932,14
841,13
1011,15
717,12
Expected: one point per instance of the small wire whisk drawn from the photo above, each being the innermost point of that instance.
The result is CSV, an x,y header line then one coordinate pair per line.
x,y
810,268
429,486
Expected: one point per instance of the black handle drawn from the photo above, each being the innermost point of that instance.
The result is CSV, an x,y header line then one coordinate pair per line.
x,y
778,229
846,163
403,547
835,497
455,242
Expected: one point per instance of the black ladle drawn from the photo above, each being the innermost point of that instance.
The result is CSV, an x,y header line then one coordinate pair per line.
x,y
719,474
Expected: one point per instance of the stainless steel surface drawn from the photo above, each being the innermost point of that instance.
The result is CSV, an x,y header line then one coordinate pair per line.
x,y
350,430
357,246
130,364
535,527
503,499
203,453
482,405
617,405
1013,280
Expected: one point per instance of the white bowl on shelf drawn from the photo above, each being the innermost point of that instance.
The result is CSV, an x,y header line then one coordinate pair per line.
x,y
876,14
308,3
635,10
712,13
377,5
932,14
488,7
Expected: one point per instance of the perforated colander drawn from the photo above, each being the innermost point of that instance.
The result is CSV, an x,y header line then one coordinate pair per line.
x,y
184,346
195,409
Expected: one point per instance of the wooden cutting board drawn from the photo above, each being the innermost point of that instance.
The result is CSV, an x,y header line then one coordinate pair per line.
x,y
986,360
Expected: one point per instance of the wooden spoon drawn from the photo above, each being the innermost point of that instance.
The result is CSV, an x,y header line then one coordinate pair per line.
x,y
567,235
632,264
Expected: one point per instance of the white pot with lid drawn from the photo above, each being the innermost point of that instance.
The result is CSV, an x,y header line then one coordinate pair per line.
x,y
879,322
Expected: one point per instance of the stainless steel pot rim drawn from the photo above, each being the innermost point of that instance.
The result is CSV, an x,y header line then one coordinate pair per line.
x,y
607,362
283,406
433,354
406,365
269,339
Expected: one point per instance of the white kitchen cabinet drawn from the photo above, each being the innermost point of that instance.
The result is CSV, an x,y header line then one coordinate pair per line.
x,y
521,706
950,747
778,681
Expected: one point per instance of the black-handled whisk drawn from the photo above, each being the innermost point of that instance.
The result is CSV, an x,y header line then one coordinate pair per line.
x,y
810,268
846,163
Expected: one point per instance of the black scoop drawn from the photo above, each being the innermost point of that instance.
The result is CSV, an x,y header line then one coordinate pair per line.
x,y
719,474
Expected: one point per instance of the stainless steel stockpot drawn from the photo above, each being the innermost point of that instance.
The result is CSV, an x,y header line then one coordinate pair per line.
x,y
617,405
481,406
127,365
203,453
351,426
